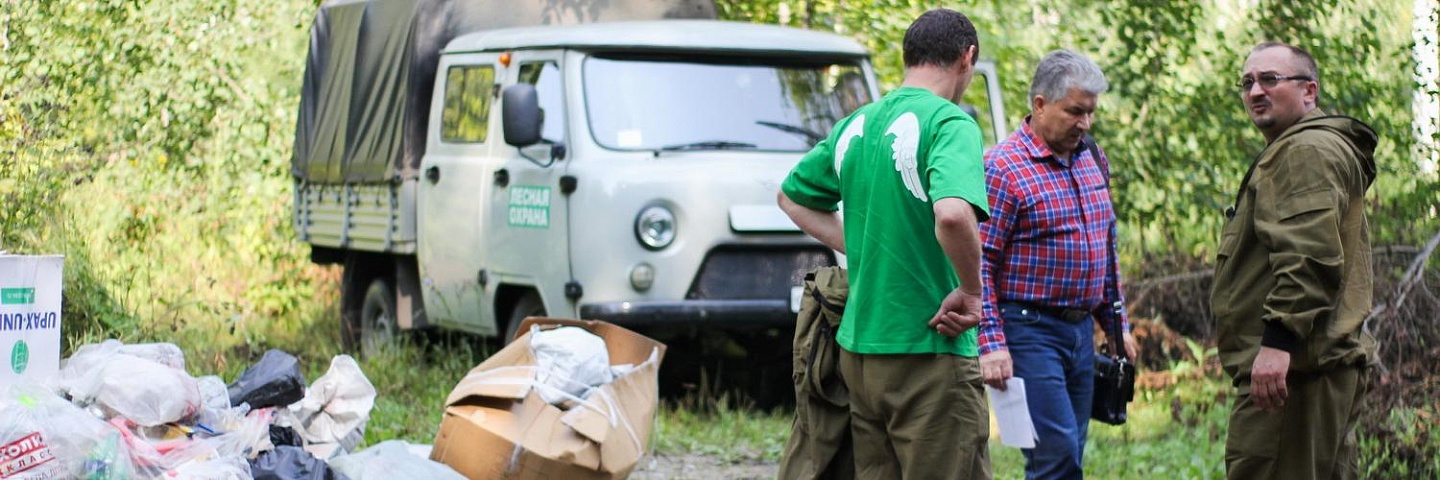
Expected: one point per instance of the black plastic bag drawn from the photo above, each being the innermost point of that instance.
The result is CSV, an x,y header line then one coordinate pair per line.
x,y
291,463
274,381
280,436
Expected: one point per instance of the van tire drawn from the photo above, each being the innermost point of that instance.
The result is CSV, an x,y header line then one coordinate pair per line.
x,y
376,327
529,305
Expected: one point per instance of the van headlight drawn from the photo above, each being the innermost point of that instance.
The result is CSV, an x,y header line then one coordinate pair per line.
x,y
655,227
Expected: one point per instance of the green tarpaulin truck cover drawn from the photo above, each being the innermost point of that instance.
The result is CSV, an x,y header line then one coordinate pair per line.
x,y
371,70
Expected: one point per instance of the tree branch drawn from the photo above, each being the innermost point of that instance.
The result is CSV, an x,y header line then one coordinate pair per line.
x,y
1176,278
1407,282
1148,286
1413,276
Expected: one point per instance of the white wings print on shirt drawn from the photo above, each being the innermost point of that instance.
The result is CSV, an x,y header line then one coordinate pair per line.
x,y
855,129
907,141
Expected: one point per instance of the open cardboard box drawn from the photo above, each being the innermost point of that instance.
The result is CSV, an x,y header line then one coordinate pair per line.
x,y
497,427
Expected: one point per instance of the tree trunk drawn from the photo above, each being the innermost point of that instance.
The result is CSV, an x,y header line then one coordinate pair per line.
x,y
1427,83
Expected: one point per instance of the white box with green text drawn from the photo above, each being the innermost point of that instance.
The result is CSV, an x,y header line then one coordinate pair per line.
x,y
30,289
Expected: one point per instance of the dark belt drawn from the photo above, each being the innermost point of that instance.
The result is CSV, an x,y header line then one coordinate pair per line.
x,y
1070,315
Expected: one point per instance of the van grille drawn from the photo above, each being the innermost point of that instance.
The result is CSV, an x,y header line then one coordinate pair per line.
x,y
748,273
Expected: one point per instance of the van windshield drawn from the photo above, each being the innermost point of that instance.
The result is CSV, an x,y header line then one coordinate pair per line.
x,y
717,103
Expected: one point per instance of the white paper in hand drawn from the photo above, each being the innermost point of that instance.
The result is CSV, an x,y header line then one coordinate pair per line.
x,y
1012,413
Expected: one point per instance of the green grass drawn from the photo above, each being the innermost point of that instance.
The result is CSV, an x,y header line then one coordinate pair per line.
x,y
1173,433
1153,444
721,428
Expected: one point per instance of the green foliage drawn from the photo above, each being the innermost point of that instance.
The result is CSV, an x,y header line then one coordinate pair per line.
x,y
1199,356
1405,445
148,142
144,81
1172,123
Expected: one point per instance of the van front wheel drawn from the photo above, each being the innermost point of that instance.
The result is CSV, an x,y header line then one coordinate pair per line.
x,y
529,305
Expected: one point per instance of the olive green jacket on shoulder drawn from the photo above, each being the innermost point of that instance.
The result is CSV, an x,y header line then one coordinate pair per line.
x,y
1294,266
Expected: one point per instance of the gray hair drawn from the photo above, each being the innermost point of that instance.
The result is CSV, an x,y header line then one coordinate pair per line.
x,y
1062,70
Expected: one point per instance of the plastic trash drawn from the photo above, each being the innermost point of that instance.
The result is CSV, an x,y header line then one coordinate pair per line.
x,y
325,451
335,407
141,390
167,354
107,459
421,450
85,360
391,459
42,436
88,356
293,463
245,437
144,382
213,393
569,361
274,381
226,467
285,436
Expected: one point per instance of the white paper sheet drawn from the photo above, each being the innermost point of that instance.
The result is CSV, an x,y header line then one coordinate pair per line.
x,y
1012,413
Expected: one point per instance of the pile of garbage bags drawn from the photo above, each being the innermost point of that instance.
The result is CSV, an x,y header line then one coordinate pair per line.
x,y
120,412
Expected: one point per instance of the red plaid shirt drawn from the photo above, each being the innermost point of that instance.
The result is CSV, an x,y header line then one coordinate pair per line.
x,y
1047,242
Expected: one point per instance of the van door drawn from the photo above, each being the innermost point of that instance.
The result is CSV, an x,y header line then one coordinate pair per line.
x,y
529,214
457,176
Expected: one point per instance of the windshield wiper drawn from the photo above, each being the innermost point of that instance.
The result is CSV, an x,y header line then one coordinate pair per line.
x,y
708,145
810,134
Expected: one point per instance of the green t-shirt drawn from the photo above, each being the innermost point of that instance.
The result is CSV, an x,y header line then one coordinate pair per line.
x,y
889,161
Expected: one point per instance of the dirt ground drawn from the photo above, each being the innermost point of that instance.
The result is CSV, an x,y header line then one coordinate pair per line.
x,y
701,467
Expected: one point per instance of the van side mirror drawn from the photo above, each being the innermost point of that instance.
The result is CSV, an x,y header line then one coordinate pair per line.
x,y
521,115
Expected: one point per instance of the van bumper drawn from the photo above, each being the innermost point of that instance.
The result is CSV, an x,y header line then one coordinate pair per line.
x,y
728,313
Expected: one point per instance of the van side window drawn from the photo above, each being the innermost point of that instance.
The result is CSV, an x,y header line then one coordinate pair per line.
x,y
466,116
545,76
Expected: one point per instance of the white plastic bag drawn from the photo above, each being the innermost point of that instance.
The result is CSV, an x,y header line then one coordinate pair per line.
x,y
226,467
167,354
86,359
140,390
336,406
391,459
569,361
215,406
89,356
145,383
213,394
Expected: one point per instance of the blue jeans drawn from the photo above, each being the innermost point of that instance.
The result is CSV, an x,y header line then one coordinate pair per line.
x,y
1057,360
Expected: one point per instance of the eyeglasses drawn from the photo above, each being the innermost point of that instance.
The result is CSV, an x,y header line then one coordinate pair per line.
x,y
1267,80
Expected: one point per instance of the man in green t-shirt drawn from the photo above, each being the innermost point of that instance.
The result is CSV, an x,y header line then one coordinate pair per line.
x,y
909,171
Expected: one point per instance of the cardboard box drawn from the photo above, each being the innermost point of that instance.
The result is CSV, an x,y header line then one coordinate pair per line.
x,y
30,288
496,426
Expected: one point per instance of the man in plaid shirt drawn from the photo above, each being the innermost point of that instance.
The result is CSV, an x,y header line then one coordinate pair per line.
x,y
1049,261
